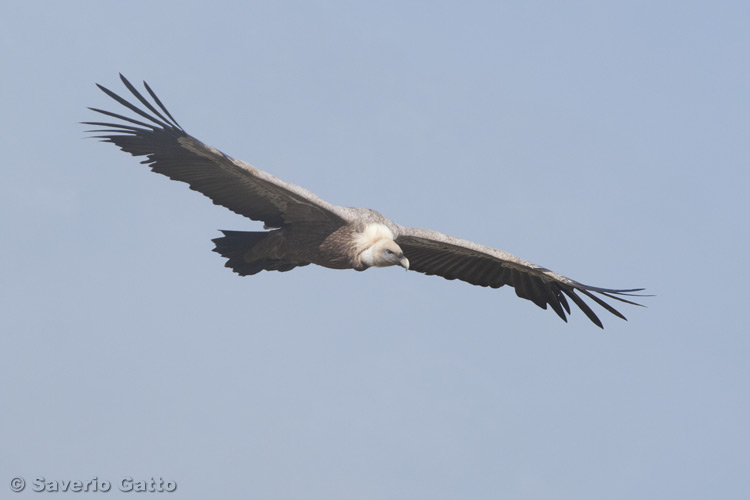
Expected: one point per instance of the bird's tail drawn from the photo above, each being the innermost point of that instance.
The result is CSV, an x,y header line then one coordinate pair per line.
x,y
236,246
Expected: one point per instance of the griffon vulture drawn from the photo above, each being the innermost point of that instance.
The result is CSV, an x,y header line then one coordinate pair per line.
x,y
304,229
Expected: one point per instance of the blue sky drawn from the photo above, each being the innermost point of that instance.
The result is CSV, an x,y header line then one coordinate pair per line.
x,y
606,141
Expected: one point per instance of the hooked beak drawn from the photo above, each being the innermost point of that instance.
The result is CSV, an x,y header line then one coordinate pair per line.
x,y
404,262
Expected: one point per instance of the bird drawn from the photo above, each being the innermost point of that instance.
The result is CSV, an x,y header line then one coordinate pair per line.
x,y
301,228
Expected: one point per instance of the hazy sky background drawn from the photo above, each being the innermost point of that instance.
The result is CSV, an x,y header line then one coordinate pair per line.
x,y
608,141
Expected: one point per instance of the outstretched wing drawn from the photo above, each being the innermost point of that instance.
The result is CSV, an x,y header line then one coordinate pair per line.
x,y
231,183
433,253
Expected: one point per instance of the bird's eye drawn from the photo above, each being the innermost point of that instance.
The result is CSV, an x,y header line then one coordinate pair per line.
x,y
388,252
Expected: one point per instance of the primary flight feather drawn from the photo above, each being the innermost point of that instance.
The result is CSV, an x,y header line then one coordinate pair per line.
x,y
305,229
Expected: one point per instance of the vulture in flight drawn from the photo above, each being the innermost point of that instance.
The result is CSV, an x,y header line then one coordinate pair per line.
x,y
305,229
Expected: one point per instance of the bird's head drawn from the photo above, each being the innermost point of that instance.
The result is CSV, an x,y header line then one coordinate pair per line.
x,y
384,253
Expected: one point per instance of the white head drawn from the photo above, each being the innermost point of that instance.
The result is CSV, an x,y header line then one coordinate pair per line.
x,y
384,253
